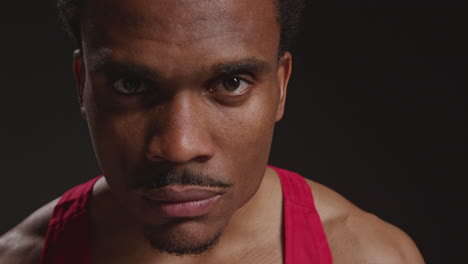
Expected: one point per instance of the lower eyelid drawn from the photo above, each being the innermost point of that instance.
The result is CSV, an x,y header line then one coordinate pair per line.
x,y
234,94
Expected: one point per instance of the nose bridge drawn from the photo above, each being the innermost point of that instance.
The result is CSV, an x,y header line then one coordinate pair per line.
x,y
181,134
181,118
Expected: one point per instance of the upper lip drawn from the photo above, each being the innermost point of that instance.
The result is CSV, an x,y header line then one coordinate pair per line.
x,y
180,193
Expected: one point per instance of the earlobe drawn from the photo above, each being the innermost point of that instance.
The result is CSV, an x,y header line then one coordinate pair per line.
x,y
80,77
83,111
284,73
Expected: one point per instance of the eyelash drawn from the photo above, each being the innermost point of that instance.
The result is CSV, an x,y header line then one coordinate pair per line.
x,y
222,80
212,85
142,84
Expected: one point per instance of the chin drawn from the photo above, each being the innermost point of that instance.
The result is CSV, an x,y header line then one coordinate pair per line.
x,y
184,237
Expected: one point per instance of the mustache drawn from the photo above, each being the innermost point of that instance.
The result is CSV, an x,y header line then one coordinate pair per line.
x,y
180,177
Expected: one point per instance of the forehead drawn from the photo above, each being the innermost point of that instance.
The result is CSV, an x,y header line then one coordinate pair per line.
x,y
192,18
177,29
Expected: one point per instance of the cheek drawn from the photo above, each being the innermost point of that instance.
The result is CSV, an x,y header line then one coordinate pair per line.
x,y
117,136
246,140
250,127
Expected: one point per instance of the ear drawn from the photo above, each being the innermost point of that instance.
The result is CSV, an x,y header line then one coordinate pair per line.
x,y
284,72
79,71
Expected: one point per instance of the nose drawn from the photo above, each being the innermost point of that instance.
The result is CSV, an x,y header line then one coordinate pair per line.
x,y
181,133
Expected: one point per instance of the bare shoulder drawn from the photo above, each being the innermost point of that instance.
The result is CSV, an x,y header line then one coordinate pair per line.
x,y
356,236
23,244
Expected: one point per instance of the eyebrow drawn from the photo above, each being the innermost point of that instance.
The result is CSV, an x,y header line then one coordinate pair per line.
x,y
250,64
122,67
246,65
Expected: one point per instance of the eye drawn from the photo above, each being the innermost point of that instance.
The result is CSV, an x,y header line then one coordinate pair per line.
x,y
232,86
129,86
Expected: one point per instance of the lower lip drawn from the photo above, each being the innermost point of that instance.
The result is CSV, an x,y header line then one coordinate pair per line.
x,y
181,209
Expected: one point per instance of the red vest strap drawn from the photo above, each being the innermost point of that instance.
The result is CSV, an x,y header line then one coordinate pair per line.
x,y
67,239
305,240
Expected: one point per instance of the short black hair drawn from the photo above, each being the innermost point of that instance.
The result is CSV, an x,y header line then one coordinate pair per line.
x,y
289,16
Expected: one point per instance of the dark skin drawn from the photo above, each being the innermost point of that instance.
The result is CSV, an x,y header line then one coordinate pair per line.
x,y
194,85
205,96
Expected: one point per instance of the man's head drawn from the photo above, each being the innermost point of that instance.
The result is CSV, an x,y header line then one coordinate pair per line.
x,y
288,15
181,98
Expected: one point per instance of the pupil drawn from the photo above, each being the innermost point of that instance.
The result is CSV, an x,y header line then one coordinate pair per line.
x,y
131,85
232,84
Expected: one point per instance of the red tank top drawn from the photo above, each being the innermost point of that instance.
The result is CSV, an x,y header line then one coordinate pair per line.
x,y
67,240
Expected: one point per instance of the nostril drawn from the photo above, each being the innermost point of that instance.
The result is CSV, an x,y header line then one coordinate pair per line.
x,y
155,159
204,158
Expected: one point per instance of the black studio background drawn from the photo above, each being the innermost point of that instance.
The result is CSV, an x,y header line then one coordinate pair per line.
x,y
374,111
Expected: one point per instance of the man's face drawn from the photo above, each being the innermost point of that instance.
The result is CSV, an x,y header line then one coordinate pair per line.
x,y
181,98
